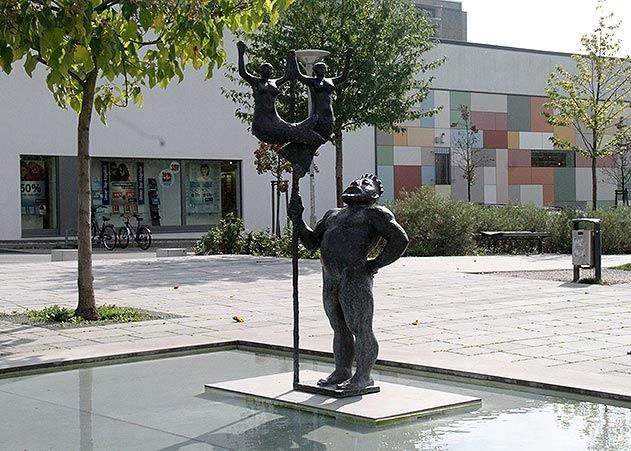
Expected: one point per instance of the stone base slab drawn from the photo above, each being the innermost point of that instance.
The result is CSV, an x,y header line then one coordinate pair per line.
x,y
171,252
394,403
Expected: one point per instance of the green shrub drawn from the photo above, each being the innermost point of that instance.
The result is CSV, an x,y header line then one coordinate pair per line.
x,y
443,226
52,314
230,237
436,225
225,238
108,312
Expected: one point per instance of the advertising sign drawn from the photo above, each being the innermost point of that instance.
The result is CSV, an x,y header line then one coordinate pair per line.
x,y
166,178
33,187
203,194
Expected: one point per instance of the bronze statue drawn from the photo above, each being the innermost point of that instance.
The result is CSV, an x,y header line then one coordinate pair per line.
x,y
267,125
321,89
345,237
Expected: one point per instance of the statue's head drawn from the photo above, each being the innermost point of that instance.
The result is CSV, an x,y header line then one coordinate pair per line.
x,y
320,69
266,70
365,190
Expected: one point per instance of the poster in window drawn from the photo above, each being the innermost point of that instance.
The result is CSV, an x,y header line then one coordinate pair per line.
x,y
203,184
123,189
33,187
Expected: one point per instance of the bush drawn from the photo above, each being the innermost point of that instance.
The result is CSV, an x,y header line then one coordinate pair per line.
x,y
230,237
107,312
436,225
443,226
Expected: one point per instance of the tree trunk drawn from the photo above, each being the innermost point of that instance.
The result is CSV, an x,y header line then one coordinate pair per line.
x,y
469,190
339,167
86,307
594,185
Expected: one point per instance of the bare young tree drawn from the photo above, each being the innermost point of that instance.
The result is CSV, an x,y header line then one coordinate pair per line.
x,y
620,172
466,150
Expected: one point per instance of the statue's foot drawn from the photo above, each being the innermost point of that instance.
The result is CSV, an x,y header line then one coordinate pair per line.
x,y
334,378
356,383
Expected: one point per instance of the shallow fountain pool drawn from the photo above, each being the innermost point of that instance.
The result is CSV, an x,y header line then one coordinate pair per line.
x,y
161,405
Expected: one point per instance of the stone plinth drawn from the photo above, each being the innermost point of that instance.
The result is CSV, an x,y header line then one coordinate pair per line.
x,y
394,403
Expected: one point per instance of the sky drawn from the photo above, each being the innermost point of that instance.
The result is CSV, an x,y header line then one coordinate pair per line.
x,y
553,25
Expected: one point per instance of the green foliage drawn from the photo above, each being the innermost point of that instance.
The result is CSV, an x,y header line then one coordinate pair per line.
x,y
436,225
130,43
594,98
52,314
443,226
111,312
107,313
230,237
624,267
389,38
225,238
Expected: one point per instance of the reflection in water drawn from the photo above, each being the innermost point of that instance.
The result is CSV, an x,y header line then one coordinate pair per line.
x,y
85,409
161,404
604,427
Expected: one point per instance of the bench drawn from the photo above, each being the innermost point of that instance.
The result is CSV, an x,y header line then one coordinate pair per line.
x,y
514,235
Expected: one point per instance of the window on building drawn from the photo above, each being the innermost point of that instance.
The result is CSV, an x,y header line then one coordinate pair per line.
x,y
549,158
442,163
38,193
165,192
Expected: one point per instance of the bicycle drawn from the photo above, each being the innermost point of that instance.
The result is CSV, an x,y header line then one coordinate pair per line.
x,y
105,234
141,234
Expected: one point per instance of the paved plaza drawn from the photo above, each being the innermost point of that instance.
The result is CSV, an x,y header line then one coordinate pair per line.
x,y
437,312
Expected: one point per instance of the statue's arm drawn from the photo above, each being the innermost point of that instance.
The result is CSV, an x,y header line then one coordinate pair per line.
x,y
391,231
243,72
311,239
290,69
302,78
341,79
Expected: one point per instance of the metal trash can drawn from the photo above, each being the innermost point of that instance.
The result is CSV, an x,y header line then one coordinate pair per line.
x,y
587,247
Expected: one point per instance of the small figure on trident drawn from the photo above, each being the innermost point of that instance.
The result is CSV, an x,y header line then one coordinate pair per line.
x,y
267,125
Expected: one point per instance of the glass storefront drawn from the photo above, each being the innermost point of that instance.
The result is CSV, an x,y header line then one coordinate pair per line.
x,y
38,188
174,194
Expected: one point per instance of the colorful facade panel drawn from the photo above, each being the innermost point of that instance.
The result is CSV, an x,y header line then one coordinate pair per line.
x,y
517,161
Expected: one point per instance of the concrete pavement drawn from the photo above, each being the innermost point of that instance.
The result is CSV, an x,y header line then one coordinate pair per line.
x,y
430,312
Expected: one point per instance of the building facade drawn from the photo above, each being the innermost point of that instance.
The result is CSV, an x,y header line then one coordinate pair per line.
x,y
503,88
183,161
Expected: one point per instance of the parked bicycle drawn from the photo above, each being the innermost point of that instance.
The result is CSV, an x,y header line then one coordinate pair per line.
x,y
141,234
105,234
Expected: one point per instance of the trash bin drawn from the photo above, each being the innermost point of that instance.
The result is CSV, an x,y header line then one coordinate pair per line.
x,y
587,247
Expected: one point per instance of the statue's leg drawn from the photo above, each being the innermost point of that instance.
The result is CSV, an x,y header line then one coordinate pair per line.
x,y
343,342
357,303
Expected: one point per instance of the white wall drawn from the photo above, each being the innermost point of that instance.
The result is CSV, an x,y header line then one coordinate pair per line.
x,y
193,118
484,68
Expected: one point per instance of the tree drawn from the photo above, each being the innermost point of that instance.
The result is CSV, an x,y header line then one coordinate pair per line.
x,y
593,98
620,172
467,149
267,159
385,88
98,54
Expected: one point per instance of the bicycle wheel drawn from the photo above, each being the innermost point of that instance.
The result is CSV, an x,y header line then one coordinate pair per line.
x,y
124,234
143,237
108,237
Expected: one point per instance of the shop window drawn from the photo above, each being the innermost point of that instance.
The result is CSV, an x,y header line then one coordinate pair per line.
x,y
38,188
211,191
149,188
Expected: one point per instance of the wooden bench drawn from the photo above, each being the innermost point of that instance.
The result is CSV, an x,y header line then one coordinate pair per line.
x,y
514,235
